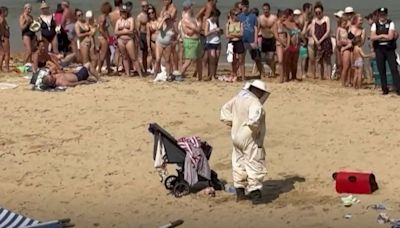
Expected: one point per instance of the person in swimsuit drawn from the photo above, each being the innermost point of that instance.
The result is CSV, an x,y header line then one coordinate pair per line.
x,y
192,49
104,25
28,36
41,57
321,33
141,22
4,40
234,33
266,23
166,35
291,54
355,30
57,78
152,33
341,41
48,27
94,30
170,7
358,56
125,30
282,42
68,26
84,34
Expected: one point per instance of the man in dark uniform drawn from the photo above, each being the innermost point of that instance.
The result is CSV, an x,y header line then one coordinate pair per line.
x,y
384,42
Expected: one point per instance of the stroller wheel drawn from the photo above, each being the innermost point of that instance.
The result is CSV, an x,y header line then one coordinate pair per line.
x,y
181,189
170,182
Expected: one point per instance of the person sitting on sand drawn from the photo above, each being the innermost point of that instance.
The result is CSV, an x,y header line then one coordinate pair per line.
x,y
56,78
41,56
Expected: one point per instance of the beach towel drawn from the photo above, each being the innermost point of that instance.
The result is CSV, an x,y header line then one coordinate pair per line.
x,y
196,162
229,53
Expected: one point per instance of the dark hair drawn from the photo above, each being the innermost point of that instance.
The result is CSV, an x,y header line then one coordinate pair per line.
x,y
306,6
255,11
152,8
129,5
318,5
267,4
118,3
279,13
288,12
106,8
245,2
4,9
40,42
59,8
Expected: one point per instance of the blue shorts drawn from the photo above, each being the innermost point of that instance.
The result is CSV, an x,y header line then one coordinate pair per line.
x,y
82,74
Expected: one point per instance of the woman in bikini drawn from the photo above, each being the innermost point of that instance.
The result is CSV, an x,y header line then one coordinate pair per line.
x,y
28,36
84,34
321,33
282,42
94,32
104,24
4,40
292,51
152,33
48,28
167,34
125,30
234,33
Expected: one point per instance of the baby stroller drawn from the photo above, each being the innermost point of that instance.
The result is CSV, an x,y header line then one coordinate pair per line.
x,y
176,155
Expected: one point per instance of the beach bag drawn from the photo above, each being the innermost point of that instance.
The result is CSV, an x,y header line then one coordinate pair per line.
x,y
355,182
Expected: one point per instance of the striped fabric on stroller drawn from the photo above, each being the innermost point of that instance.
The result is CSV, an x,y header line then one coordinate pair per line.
x,y
10,219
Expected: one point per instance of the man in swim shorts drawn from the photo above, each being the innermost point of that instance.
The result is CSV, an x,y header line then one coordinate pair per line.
x,y
266,22
56,78
192,48
141,22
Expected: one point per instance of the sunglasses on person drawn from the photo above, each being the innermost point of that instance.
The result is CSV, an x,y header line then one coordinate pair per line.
x,y
318,12
79,15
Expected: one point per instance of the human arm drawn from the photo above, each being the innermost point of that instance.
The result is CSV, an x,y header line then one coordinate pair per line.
x,y
256,112
362,54
391,34
148,37
35,62
208,32
312,30
23,22
80,34
226,114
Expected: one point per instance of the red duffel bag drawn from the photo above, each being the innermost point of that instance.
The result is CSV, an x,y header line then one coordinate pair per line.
x,y
355,182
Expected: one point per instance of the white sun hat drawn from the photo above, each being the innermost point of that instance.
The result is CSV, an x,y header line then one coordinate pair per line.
x,y
89,14
296,12
339,13
349,9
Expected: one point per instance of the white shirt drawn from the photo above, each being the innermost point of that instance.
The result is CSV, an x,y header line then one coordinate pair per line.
x,y
391,26
213,38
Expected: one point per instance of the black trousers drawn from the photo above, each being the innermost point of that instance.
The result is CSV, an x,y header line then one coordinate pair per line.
x,y
383,54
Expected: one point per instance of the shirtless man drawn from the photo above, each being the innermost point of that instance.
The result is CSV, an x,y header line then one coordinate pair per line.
x,y
192,48
171,9
266,22
141,22
114,16
306,15
67,21
57,78
4,40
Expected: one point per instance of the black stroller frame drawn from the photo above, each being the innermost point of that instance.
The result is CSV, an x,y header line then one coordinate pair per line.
x,y
176,155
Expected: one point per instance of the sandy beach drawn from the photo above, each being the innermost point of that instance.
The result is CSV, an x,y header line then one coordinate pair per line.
x,y
86,153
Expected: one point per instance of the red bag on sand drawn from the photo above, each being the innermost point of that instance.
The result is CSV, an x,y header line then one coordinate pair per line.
x,y
355,182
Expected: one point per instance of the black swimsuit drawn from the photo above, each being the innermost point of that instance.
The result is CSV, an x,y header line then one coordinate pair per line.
x,y
28,32
48,32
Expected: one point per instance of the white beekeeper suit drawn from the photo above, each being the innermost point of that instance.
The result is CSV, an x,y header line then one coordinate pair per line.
x,y
246,115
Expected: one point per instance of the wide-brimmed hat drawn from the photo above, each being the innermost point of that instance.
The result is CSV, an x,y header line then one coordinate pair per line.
x,y
339,13
44,5
35,26
349,9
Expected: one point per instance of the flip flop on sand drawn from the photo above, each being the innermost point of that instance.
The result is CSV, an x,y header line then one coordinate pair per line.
x,y
348,201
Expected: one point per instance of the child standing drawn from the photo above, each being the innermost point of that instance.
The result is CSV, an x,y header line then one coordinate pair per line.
x,y
358,56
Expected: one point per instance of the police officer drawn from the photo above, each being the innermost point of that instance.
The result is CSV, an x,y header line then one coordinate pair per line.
x,y
384,42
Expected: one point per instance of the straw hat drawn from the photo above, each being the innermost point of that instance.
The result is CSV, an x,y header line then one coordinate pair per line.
x,y
35,26
44,5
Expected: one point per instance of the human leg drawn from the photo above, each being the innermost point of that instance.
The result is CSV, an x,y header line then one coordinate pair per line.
x,y
125,58
132,52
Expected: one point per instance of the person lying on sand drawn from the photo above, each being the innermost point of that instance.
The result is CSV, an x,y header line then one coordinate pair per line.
x,y
57,78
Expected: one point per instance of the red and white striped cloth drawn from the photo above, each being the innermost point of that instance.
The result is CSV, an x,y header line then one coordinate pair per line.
x,y
187,143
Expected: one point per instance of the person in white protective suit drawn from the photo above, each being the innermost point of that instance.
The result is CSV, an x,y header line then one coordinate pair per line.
x,y
246,115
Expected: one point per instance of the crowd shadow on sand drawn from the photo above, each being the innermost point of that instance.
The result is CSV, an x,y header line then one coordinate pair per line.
x,y
272,189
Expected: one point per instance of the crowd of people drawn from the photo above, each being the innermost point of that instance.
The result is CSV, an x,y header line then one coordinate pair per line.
x,y
119,42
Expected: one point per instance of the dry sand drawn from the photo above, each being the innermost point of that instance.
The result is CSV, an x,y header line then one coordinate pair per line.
x,y
86,153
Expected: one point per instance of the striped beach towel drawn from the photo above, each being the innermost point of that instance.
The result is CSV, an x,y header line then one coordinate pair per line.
x,y
9,219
